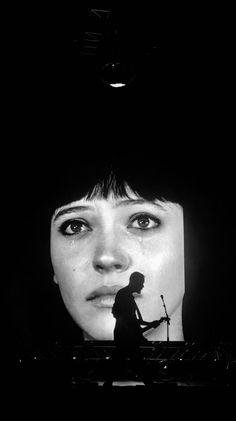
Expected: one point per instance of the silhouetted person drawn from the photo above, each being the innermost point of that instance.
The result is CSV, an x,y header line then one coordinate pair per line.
x,y
128,333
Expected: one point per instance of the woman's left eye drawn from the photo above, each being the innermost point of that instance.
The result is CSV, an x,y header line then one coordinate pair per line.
x,y
144,222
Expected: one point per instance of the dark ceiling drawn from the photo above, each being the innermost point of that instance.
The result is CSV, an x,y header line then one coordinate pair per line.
x,y
176,59
180,76
166,48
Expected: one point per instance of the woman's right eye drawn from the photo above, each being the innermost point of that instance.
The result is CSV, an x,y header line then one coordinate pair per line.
x,y
74,226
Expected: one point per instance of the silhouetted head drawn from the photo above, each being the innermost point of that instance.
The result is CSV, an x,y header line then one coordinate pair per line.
x,y
136,281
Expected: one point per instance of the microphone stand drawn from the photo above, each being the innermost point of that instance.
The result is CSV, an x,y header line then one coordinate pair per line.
x,y
167,327
168,319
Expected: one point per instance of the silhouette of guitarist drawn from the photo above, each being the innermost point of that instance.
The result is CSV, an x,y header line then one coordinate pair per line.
x,y
128,333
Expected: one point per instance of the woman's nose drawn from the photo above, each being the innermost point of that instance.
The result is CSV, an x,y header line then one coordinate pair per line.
x,y
109,256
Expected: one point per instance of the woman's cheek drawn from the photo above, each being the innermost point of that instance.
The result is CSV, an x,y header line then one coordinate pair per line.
x,y
164,275
69,261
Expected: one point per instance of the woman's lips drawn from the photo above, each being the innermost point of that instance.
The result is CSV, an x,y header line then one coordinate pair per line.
x,y
104,290
104,296
104,301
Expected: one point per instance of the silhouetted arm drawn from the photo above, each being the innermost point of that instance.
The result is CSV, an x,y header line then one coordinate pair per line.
x,y
144,323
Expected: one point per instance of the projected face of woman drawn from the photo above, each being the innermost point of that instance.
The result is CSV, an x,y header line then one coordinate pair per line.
x,y
97,244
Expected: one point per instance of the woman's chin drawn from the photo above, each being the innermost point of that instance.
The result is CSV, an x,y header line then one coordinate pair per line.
x,y
99,336
101,329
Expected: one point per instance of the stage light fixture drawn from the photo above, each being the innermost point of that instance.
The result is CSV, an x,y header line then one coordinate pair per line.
x,y
117,74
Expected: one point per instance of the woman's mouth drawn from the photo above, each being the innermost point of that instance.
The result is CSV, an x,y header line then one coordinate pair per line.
x,y
104,296
103,301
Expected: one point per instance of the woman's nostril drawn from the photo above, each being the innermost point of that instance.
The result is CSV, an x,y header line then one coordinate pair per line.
x,y
118,266
103,267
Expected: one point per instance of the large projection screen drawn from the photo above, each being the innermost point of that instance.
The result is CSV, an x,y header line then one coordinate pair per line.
x,y
84,231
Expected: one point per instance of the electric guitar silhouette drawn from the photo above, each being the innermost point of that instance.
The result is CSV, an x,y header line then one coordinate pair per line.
x,y
154,324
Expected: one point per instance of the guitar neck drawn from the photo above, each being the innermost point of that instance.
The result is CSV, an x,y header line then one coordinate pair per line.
x,y
144,329
154,324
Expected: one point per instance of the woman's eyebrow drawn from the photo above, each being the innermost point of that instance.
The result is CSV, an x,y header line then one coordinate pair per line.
x,y
125,202
70,210
128,202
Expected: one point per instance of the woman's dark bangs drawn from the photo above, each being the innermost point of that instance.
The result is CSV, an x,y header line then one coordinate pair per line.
x,y
123,184
111,185
100,181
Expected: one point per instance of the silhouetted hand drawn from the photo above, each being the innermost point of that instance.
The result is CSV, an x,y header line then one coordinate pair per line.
x,y
156,323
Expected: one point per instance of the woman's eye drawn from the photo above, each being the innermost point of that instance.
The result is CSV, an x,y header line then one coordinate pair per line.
x,y
144,222
75,226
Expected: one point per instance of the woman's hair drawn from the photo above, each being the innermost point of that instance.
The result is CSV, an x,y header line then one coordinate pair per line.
x,y
90,180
